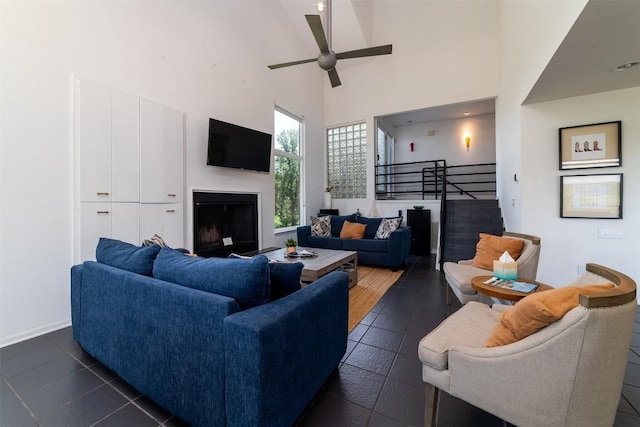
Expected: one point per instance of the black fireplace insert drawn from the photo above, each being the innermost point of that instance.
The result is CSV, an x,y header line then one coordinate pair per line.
x,y
224,223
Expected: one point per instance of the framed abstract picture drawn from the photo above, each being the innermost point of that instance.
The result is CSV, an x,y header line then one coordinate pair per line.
x,y
591,196
591,146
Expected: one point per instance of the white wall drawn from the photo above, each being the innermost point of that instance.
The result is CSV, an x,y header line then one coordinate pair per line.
x,y
530,33
569,242
527,144
205,58
448,141
443,52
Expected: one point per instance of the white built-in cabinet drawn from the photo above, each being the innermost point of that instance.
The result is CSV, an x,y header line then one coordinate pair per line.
x,y
130,169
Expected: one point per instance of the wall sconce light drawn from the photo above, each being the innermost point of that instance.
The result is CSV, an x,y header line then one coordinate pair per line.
x,y
467,142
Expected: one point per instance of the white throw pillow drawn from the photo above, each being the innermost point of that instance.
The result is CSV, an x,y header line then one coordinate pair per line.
x,y
321,227
387,226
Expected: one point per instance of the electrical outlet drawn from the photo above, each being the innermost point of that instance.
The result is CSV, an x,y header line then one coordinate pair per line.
x,y
611,233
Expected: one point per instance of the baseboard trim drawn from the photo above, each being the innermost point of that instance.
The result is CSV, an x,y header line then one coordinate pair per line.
x,y
32,333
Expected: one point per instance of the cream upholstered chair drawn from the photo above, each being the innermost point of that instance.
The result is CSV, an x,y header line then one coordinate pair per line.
x,y
459,274
569,373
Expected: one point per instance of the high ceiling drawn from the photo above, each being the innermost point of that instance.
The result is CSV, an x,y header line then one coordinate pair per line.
x,y
605,35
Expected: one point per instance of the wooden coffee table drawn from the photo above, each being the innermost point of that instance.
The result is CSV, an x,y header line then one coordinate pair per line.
x,y
326,261
478,284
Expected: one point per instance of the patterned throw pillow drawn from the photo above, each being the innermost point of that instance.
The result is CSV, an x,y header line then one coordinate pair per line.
x,y
387,226
321,227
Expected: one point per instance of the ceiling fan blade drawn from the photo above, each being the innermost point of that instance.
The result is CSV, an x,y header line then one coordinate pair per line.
x,y
288,64
318,32
333,77
369,51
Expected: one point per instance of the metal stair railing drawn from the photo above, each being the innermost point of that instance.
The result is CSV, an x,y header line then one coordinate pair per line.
x,y
425,180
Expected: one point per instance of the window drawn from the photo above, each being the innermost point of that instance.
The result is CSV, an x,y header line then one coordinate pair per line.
x,y
384,159
347,161
288,164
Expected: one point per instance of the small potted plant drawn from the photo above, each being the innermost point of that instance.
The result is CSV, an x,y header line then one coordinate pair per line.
x,y
291,245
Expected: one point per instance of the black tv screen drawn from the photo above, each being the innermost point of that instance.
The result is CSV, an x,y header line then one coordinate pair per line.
x,y
234,146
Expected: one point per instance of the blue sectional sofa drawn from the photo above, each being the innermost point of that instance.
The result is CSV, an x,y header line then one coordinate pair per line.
x,y
391,252
204,339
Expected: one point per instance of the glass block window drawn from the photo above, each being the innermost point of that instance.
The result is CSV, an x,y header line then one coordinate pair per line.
x,y
347,161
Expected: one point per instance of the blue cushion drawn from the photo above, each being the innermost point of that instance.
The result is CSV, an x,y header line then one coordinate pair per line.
x,y
136,259
372,226
245,280
366,245
325,242
285,278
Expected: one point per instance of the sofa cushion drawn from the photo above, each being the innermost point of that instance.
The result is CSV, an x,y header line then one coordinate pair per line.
x,y
468,327
372,226
537,311
352,230
321,226
136,259
245,280
365,245
490,248
337,221
387,226
325,242
285,278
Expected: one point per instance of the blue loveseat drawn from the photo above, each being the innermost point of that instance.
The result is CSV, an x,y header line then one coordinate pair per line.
x,y
391,252
209,358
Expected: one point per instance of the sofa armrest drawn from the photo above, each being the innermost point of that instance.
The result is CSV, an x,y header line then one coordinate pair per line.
x,y
400,242
278,355
303,233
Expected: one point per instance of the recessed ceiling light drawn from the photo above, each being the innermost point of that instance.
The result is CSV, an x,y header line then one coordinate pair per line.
x,y
466,113
627,66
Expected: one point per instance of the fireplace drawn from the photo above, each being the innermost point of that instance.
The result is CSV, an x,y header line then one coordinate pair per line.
x,y
224,223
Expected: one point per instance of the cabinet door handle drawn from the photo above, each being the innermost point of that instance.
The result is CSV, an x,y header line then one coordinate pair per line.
x,y
102,212
102,194
171,210
171,195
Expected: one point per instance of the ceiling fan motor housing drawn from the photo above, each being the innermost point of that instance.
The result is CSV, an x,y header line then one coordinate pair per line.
x,y
327,61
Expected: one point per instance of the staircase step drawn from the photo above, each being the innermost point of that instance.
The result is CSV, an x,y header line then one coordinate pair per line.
x,y
464,221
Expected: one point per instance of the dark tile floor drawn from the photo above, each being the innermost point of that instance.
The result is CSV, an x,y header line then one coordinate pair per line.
x,y
50,381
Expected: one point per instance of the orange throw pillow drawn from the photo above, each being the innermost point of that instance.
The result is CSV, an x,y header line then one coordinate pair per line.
x,y
352,230
538,310
491,248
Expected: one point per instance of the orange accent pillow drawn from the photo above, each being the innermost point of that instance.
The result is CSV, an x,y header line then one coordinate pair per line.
x,y
490,248
352,230
538,310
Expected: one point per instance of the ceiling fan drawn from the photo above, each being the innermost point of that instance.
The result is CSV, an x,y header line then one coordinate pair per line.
x,y
327,58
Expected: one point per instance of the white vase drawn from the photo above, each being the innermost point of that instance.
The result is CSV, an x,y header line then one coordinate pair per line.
x,y
327,200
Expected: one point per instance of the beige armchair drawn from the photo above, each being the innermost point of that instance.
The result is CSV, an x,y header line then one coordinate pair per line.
x,y
569,373
459,275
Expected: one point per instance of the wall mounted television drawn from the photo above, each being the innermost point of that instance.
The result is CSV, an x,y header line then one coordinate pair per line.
x,y
234,146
